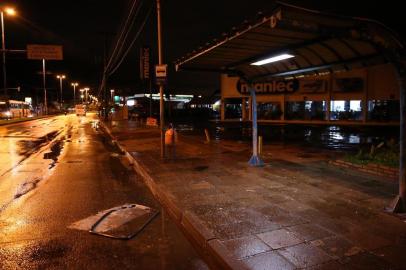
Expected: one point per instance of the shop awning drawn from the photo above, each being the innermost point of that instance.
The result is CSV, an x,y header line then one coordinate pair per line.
x,y
319,42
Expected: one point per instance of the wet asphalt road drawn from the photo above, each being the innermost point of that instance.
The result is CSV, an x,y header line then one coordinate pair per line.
x,y
56,171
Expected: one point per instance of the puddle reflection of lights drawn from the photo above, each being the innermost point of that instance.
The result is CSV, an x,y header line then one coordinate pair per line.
x,y
336,136
354,139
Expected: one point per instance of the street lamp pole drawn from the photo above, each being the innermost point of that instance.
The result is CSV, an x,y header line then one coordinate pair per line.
x,y
86,94
112,96
11,12
74,92
161,88
81,94
44,84
3,47
60,77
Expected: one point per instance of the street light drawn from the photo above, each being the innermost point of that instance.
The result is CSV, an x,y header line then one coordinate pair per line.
x,y
74,84
60,77
81,94
10,12
86,94
112,95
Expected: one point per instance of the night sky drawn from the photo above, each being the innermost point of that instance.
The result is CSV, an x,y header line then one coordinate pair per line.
x,y
85,27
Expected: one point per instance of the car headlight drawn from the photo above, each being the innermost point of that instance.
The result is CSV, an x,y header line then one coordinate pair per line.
x,y
8,113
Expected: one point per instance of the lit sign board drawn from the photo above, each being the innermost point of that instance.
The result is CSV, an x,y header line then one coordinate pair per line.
x,y
47,52
144,63
271,87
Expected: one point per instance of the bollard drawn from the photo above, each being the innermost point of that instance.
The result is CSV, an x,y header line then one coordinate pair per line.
x,y
259,145
173,143
206,131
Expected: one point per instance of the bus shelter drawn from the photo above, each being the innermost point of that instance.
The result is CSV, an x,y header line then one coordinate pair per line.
x,y
285,47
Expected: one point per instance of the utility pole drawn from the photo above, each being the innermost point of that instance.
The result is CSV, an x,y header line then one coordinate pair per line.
x,y
44,83
161,87
4,53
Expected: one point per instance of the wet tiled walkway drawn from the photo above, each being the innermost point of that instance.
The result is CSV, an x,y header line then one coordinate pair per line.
x,y
296,212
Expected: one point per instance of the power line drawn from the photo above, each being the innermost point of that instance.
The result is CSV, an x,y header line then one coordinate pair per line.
x,y
123,30
132,42
117,56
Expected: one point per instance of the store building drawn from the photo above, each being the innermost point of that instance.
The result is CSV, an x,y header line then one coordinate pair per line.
x,y
369,95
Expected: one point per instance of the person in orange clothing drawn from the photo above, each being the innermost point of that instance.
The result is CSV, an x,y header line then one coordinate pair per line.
x,y
171,139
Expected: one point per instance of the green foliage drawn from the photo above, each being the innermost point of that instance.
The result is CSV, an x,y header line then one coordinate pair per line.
x,y
384,153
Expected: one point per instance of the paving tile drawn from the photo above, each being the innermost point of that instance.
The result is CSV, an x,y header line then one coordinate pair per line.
x,y
334,225
337,247
268,261
366,239
367,261
332,265
305,255
273,210
395,255
246,246
309,232
279,238
232,230
286,220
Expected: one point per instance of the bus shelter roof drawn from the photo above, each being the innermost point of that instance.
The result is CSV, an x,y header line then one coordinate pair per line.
x,y
319,42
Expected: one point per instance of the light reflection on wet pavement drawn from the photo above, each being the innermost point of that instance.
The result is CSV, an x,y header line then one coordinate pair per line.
x,y
58,171
345,138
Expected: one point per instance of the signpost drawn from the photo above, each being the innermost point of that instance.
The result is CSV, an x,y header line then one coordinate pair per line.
x,y
44,52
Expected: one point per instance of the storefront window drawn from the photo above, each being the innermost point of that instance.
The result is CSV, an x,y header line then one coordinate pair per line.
x,y
346,110
306,110
269,111
383,110
233,111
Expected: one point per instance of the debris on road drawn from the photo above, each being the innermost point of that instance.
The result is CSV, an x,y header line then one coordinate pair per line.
x,y
121,222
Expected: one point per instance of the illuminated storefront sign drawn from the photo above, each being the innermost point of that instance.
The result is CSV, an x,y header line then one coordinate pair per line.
x,y
271,87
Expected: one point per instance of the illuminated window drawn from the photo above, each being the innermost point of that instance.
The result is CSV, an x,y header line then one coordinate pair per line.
x,y
346,110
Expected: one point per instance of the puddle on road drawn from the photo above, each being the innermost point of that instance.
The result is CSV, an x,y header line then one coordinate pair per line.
x,y
56,149
29,147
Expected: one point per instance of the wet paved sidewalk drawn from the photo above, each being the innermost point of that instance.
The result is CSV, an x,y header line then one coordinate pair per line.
x,y
297,212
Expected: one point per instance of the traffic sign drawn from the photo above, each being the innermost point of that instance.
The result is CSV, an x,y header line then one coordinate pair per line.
x,y
44,52
160,71
160,74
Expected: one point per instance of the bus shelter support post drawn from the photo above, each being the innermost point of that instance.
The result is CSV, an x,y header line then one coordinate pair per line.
x,y
255,160
398,205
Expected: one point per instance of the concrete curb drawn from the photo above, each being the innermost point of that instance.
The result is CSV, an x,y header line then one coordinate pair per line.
x,y
208,246
389,173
